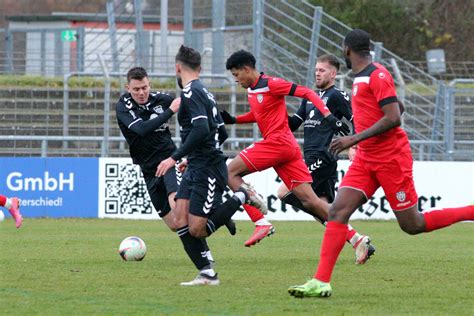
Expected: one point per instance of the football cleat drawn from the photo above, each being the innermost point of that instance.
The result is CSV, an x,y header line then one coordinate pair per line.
x,y
255,199
363,250
312,288
15,212
231,227
260,232
202,279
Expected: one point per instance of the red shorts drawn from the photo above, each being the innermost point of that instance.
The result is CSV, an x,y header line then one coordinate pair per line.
x,y
395,176
284,157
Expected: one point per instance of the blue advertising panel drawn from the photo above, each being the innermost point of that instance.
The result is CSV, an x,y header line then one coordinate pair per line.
x,y
52,187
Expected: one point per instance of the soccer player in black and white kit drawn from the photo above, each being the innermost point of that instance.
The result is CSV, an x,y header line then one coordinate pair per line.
x,y
199,209
143,117
317,136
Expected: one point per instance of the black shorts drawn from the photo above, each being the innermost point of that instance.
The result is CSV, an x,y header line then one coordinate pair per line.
x,y
160,187
203,187
324,174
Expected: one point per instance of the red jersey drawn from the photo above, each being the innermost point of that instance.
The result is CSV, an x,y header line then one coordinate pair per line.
x,y
266,98
373,88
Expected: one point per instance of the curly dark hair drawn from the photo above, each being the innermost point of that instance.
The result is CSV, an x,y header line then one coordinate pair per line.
x,y
358,41
240,59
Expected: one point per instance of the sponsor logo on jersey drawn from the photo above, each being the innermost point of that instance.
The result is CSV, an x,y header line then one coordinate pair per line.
x,y
311,113
260,98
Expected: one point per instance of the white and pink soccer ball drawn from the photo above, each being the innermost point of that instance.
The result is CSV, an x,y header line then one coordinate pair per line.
x,y
132,249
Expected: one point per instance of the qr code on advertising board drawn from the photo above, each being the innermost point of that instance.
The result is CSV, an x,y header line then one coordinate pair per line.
x,y
125,190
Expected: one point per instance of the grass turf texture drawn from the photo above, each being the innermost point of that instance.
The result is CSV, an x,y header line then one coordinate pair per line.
x,y
71,266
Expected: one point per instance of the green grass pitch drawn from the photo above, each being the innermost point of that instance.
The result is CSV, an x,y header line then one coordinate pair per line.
x,y
72,267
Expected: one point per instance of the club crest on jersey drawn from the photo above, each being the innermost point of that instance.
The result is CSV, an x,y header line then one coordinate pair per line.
x,y
354,91
381,75
158,109
401,196
260,98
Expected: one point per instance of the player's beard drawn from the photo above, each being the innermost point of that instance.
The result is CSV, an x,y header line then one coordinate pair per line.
x,y
323,84
348,62
180,81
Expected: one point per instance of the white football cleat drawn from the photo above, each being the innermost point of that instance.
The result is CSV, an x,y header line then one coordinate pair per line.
x,y
363,250
202,279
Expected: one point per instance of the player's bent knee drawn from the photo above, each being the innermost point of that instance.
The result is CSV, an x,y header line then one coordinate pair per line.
x,y
412,228
197,231
282,192
340,215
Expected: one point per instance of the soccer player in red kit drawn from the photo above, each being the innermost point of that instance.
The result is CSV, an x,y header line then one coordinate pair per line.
x,y
383,159
13,206
278,149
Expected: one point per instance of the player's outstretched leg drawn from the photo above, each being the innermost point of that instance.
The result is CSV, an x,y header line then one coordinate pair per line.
x,y
361,243
254,198
223,213
13,206
198,251
260,232
263,227
312,288
231,227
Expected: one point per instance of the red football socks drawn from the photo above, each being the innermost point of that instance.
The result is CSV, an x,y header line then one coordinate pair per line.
x,y
3,200
437,219
350,233
253,212
334,239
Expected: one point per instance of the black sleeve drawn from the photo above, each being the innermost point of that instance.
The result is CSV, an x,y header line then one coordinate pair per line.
x,y
296,119
143,128
222,132
199,132
128,116
339,104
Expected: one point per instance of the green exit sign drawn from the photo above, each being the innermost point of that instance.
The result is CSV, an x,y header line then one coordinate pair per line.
x,y
68,36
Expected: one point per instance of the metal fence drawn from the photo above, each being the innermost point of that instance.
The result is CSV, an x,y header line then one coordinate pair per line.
x,y
285,36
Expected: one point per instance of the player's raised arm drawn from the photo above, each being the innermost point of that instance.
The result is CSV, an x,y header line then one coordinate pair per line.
x,y
135,123
221,131
199,133
297,119
240,119
280,86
